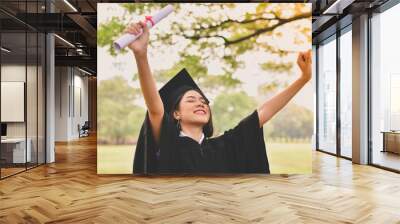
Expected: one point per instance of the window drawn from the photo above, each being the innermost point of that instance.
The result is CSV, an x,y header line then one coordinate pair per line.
x,y
385,89
327,96
394,102
22,66
346,93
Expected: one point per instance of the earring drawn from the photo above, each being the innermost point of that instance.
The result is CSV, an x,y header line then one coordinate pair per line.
x,y
178,125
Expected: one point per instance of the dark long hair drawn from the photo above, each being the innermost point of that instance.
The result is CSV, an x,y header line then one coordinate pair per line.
x,y
208,128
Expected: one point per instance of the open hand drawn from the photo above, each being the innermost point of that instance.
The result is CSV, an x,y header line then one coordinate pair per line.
x,y
139,46
304,63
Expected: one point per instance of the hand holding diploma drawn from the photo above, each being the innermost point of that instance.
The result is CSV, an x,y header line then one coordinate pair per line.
x,y
141,31
149,22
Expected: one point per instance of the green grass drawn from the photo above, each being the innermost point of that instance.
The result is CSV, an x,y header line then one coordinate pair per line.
x,y
284,158
115,159
289,158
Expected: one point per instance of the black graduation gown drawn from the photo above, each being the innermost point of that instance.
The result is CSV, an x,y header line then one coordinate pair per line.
x,y
238,150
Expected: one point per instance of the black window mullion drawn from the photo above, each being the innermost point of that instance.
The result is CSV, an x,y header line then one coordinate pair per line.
x,y
37,90
317,97
0,93
45,87
369,89
26,87
338,76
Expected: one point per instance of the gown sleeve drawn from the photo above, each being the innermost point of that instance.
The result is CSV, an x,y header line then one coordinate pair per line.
x,y
245,146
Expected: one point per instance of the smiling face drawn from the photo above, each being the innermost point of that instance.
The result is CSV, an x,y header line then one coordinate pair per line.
x,y
193,109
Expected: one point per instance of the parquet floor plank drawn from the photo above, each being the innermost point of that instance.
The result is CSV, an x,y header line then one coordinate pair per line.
x,y
70,191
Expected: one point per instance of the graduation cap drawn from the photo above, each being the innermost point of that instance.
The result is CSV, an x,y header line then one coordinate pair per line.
x,y
145,160
179,84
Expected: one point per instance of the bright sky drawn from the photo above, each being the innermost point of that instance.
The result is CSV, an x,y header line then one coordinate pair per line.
x,y
251,75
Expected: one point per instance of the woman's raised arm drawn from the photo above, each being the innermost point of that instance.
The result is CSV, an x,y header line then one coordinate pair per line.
x,y
147,83
272,106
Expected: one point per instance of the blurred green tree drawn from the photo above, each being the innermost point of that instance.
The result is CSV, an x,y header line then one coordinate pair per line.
x,y
214,34
119,118
207,36
293,122
210,83
229,109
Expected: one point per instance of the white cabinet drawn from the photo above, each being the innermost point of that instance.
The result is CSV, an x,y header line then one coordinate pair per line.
x,y
18,145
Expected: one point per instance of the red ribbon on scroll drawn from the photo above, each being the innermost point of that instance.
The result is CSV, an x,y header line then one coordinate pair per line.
x,y
149,18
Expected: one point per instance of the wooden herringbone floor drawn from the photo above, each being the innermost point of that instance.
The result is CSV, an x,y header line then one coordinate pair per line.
x,y
69,191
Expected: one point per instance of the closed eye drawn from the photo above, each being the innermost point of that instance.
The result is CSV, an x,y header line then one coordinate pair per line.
x,y
192,99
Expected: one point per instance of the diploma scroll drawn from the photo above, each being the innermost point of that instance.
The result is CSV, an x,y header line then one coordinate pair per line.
x,y
150,21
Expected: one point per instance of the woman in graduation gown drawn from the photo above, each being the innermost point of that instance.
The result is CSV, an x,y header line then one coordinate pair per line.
x,y
177,134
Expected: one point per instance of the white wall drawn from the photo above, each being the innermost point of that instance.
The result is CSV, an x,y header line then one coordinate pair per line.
x,y
33,126
62,81
14,73
17,73
71,94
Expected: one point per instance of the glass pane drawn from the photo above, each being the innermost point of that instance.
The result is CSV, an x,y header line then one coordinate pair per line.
x,y
22,63
32,83
385,89
346,94
31,98
41,98
327,97
13,87
394,102
17,6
